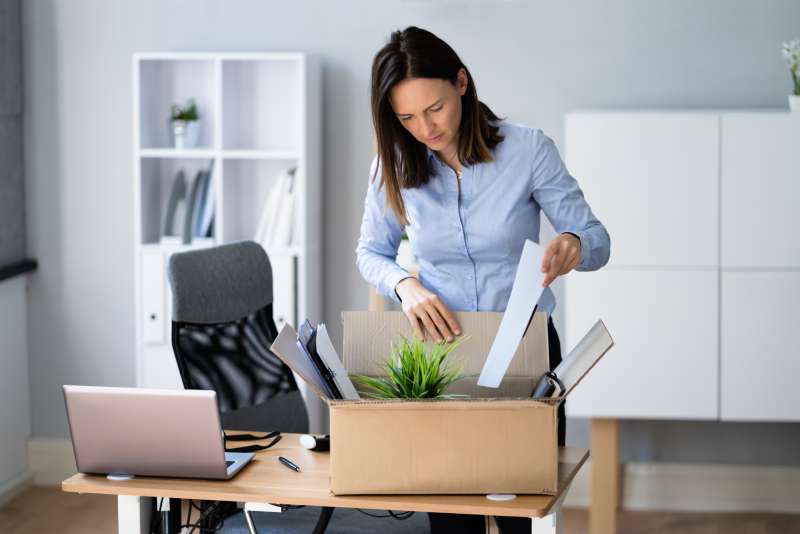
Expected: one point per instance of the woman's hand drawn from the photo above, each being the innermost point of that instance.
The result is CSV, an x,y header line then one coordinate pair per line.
x,y
423,306
561,256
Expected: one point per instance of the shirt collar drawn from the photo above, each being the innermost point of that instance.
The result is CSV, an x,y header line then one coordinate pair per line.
x,y
431,153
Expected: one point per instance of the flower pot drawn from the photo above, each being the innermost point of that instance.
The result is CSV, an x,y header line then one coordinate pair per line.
x,y
185,134
794,102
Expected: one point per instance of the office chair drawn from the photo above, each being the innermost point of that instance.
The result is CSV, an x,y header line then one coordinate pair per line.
x,y
222,328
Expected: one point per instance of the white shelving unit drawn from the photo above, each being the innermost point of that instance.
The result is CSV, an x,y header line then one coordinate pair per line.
x,y
259,115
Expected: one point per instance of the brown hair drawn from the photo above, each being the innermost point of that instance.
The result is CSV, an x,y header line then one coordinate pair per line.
x,y
417,53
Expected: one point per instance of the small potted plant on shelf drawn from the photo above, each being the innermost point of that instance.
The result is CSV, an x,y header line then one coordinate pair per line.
x,y
415,370
184,125
791,53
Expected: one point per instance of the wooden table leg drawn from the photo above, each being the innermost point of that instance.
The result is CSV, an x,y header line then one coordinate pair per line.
x,y
605,476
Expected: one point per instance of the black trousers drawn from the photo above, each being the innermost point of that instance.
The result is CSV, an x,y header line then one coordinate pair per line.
x,y
476,524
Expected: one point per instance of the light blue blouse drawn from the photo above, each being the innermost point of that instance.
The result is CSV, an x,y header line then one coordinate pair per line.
x,y
468,239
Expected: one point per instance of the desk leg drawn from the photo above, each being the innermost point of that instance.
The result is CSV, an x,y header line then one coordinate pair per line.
x,y
605,476
549,524
133,514
250,507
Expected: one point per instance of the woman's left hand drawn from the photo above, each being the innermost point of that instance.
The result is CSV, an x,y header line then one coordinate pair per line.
x,y
561,256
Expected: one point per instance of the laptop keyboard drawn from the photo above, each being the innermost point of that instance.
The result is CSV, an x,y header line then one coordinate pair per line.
x,y
229,463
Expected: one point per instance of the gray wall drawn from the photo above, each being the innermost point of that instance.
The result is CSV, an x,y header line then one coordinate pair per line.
x,y
533,61
12,204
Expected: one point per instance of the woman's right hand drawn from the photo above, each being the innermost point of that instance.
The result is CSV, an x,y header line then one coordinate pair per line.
x,y
424,307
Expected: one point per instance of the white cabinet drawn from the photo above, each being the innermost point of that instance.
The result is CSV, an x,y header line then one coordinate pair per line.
x,y
652,179
760,352
760,190
664,360
702,292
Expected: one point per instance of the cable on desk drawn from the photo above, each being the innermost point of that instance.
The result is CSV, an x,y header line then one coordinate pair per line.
x,y
254,448
400,516
250,437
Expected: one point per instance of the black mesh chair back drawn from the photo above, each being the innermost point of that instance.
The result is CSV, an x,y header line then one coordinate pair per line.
x,y
222,328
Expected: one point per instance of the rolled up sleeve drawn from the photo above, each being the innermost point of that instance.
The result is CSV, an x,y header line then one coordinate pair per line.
x,y
378,242
562,200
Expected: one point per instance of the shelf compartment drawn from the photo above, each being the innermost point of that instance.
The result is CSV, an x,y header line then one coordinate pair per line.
x,y
247,184
163,83
157,179
262,104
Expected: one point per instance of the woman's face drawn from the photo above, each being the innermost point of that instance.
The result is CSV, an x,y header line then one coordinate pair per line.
x,y
430,109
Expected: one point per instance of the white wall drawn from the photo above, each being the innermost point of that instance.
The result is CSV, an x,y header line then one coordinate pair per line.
x,y
533,60
15,421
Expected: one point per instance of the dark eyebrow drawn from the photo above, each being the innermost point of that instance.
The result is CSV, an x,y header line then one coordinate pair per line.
x,y
426,109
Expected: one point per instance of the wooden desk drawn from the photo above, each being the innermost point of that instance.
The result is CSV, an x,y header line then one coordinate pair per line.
x,y
265,480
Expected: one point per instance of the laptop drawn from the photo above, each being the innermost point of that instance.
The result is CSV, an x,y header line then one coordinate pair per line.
x,y
150,432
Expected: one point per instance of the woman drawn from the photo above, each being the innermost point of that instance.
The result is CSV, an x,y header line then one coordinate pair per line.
x,y
468,189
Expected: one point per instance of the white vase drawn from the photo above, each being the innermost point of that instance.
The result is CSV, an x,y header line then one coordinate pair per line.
x,y
185,134
794,102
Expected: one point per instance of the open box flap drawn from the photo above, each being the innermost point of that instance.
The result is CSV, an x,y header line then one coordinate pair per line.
x,y
285,347
584,356
368,339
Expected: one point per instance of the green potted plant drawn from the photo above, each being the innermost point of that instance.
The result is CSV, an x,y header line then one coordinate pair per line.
x,y
791,53
184,122
415,370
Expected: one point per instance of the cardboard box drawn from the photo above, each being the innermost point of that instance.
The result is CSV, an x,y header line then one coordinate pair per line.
x,y
498,441
477,445
443,446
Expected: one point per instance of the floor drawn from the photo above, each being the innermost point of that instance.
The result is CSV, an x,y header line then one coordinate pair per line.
x,y
44,510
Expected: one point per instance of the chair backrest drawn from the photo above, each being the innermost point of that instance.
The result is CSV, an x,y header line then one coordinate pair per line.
x,y
222,328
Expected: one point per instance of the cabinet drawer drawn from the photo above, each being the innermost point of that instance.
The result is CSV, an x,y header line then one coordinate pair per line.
x,y
760,190
153,310
760,354
664,363
653,180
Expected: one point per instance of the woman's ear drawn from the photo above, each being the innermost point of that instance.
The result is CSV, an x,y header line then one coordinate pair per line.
x,y
462,81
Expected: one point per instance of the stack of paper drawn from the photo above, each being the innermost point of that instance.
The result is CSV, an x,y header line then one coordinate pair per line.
x,y
310,354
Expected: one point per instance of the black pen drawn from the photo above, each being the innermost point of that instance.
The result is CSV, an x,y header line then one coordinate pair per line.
x,y
288,463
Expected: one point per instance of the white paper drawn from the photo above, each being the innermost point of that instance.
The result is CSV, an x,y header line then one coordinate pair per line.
x,y
586,353
331,358
524,295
